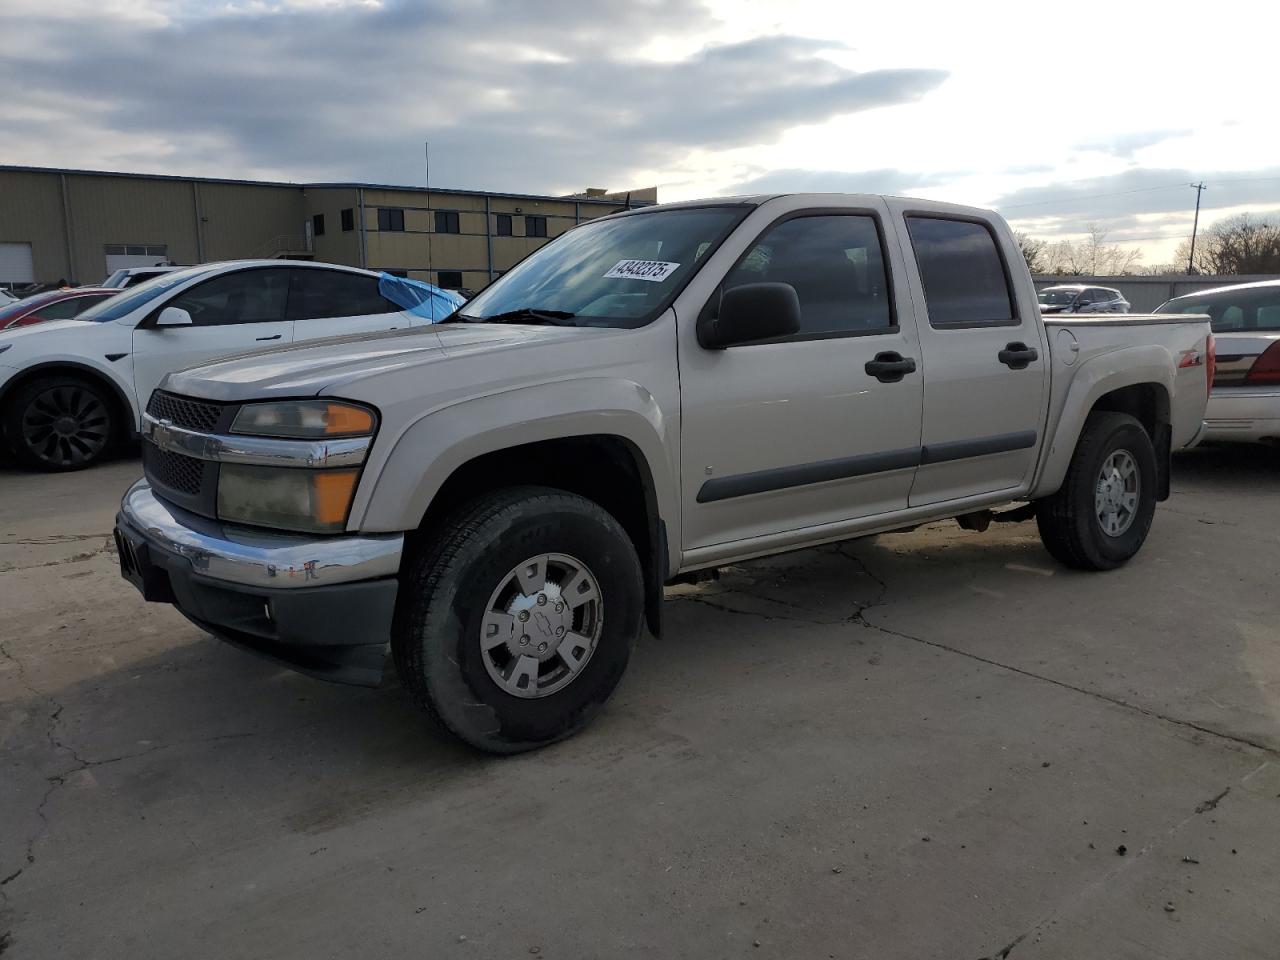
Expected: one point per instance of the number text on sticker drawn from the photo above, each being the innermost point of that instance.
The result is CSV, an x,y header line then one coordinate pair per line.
x,y
655,270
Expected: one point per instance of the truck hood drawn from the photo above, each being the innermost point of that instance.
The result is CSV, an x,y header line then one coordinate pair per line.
x,y
325,366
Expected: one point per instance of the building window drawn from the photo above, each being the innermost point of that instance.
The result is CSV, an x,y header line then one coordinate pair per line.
x,y
396,273
449,279
137,250
317,225
504,225
535,226
447,221
348,219
391,218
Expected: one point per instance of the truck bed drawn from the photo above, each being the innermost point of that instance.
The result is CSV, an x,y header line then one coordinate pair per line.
x,y
1121,319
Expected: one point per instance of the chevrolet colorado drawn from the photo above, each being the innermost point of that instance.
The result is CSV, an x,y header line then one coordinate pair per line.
x,y
499,498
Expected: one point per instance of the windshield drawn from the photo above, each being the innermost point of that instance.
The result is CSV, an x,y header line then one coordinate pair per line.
x,y
1244,308
1057,298
615,273
113,308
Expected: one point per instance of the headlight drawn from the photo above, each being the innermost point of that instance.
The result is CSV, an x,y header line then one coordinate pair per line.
x,y
304,419
309,501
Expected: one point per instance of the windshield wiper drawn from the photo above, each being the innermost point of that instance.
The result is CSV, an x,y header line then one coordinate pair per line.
x,y
525,315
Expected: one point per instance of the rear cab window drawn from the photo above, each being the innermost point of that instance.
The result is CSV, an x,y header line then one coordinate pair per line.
x,y
963,274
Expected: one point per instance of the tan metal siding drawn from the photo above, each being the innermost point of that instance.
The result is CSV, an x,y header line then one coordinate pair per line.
x,y
246,220
31,212
124,210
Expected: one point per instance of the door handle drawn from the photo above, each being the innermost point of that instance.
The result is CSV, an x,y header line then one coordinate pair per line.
x,y
890,367
276,337
1017,355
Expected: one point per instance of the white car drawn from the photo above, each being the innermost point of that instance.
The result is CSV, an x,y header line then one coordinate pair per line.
x,y
69,388
1245,402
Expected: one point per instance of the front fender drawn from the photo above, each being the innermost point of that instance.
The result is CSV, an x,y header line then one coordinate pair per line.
x,y
430,449
1091,380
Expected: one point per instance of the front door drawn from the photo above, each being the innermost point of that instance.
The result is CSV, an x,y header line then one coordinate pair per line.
x,y
797,432
987,367
231,313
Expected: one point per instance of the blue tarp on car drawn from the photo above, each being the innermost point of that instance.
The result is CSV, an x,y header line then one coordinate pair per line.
x,y
421,299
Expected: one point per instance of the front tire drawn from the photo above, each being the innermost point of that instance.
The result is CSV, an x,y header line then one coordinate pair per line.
x,y
1100,516
60,423
516,622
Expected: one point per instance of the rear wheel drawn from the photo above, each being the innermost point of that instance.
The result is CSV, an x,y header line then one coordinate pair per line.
x,y
516,622
60,423
1101,514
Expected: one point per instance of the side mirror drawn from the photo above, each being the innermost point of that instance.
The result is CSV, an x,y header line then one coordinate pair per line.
x,y
753,311
173,317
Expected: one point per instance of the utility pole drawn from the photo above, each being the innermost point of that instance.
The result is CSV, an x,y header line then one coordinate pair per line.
x,y
1191,257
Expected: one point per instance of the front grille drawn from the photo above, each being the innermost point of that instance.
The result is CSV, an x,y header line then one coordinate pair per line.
x,y
175,471
200,415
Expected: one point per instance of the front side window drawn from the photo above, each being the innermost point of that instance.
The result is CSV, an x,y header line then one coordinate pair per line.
x,y
1241,308
836,265
962,273
615,272
1057,298
317,294
246,296
391,219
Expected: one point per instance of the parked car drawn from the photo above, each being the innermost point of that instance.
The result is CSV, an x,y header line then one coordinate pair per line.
x,y
53,305
68,388
1245,402
132,276
1078,298
501,497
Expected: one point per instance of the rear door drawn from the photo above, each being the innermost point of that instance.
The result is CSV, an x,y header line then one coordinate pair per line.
x,y
331,303
985,362
794,432
231,313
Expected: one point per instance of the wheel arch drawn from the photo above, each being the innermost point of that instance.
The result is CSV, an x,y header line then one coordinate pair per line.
x,y
605,440
1138,382
128,425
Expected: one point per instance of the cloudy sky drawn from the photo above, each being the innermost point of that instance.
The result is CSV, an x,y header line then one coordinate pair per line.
x,y
1059,116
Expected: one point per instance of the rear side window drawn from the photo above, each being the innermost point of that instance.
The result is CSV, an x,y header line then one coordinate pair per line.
x,y
963,275
317,294
246,296
1243,308
836,265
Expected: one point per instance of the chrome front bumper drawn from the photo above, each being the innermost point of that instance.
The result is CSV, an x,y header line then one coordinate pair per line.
x,y
258,558
322,605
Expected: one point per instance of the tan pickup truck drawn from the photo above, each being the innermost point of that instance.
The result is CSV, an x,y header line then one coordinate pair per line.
x,y
499,498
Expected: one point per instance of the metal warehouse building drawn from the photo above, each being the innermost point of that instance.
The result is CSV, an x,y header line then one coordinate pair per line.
x,y
80,225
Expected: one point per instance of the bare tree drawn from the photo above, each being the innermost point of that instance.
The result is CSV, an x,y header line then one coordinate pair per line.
x,y
1033,251
1242,244
1092,256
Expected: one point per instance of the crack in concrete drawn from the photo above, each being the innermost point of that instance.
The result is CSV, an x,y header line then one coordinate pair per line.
x,y
1003,954
54,538
1212,803
74,558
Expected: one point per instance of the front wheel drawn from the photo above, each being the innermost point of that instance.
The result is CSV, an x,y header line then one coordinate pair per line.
x,y
516,622
59,423
1101,514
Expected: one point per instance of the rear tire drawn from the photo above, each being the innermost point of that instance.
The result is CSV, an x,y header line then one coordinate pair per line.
x,y
60,423
516,621
1100,516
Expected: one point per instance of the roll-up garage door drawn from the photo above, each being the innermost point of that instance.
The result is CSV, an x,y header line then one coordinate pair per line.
x,y
16,265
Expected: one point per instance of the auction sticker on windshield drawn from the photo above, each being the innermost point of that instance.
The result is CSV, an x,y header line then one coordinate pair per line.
x,y
654,270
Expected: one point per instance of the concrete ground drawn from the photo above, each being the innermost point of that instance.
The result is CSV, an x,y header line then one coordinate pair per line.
x,y
934,744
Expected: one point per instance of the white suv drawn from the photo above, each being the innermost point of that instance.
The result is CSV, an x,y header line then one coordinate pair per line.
x,y
68,388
